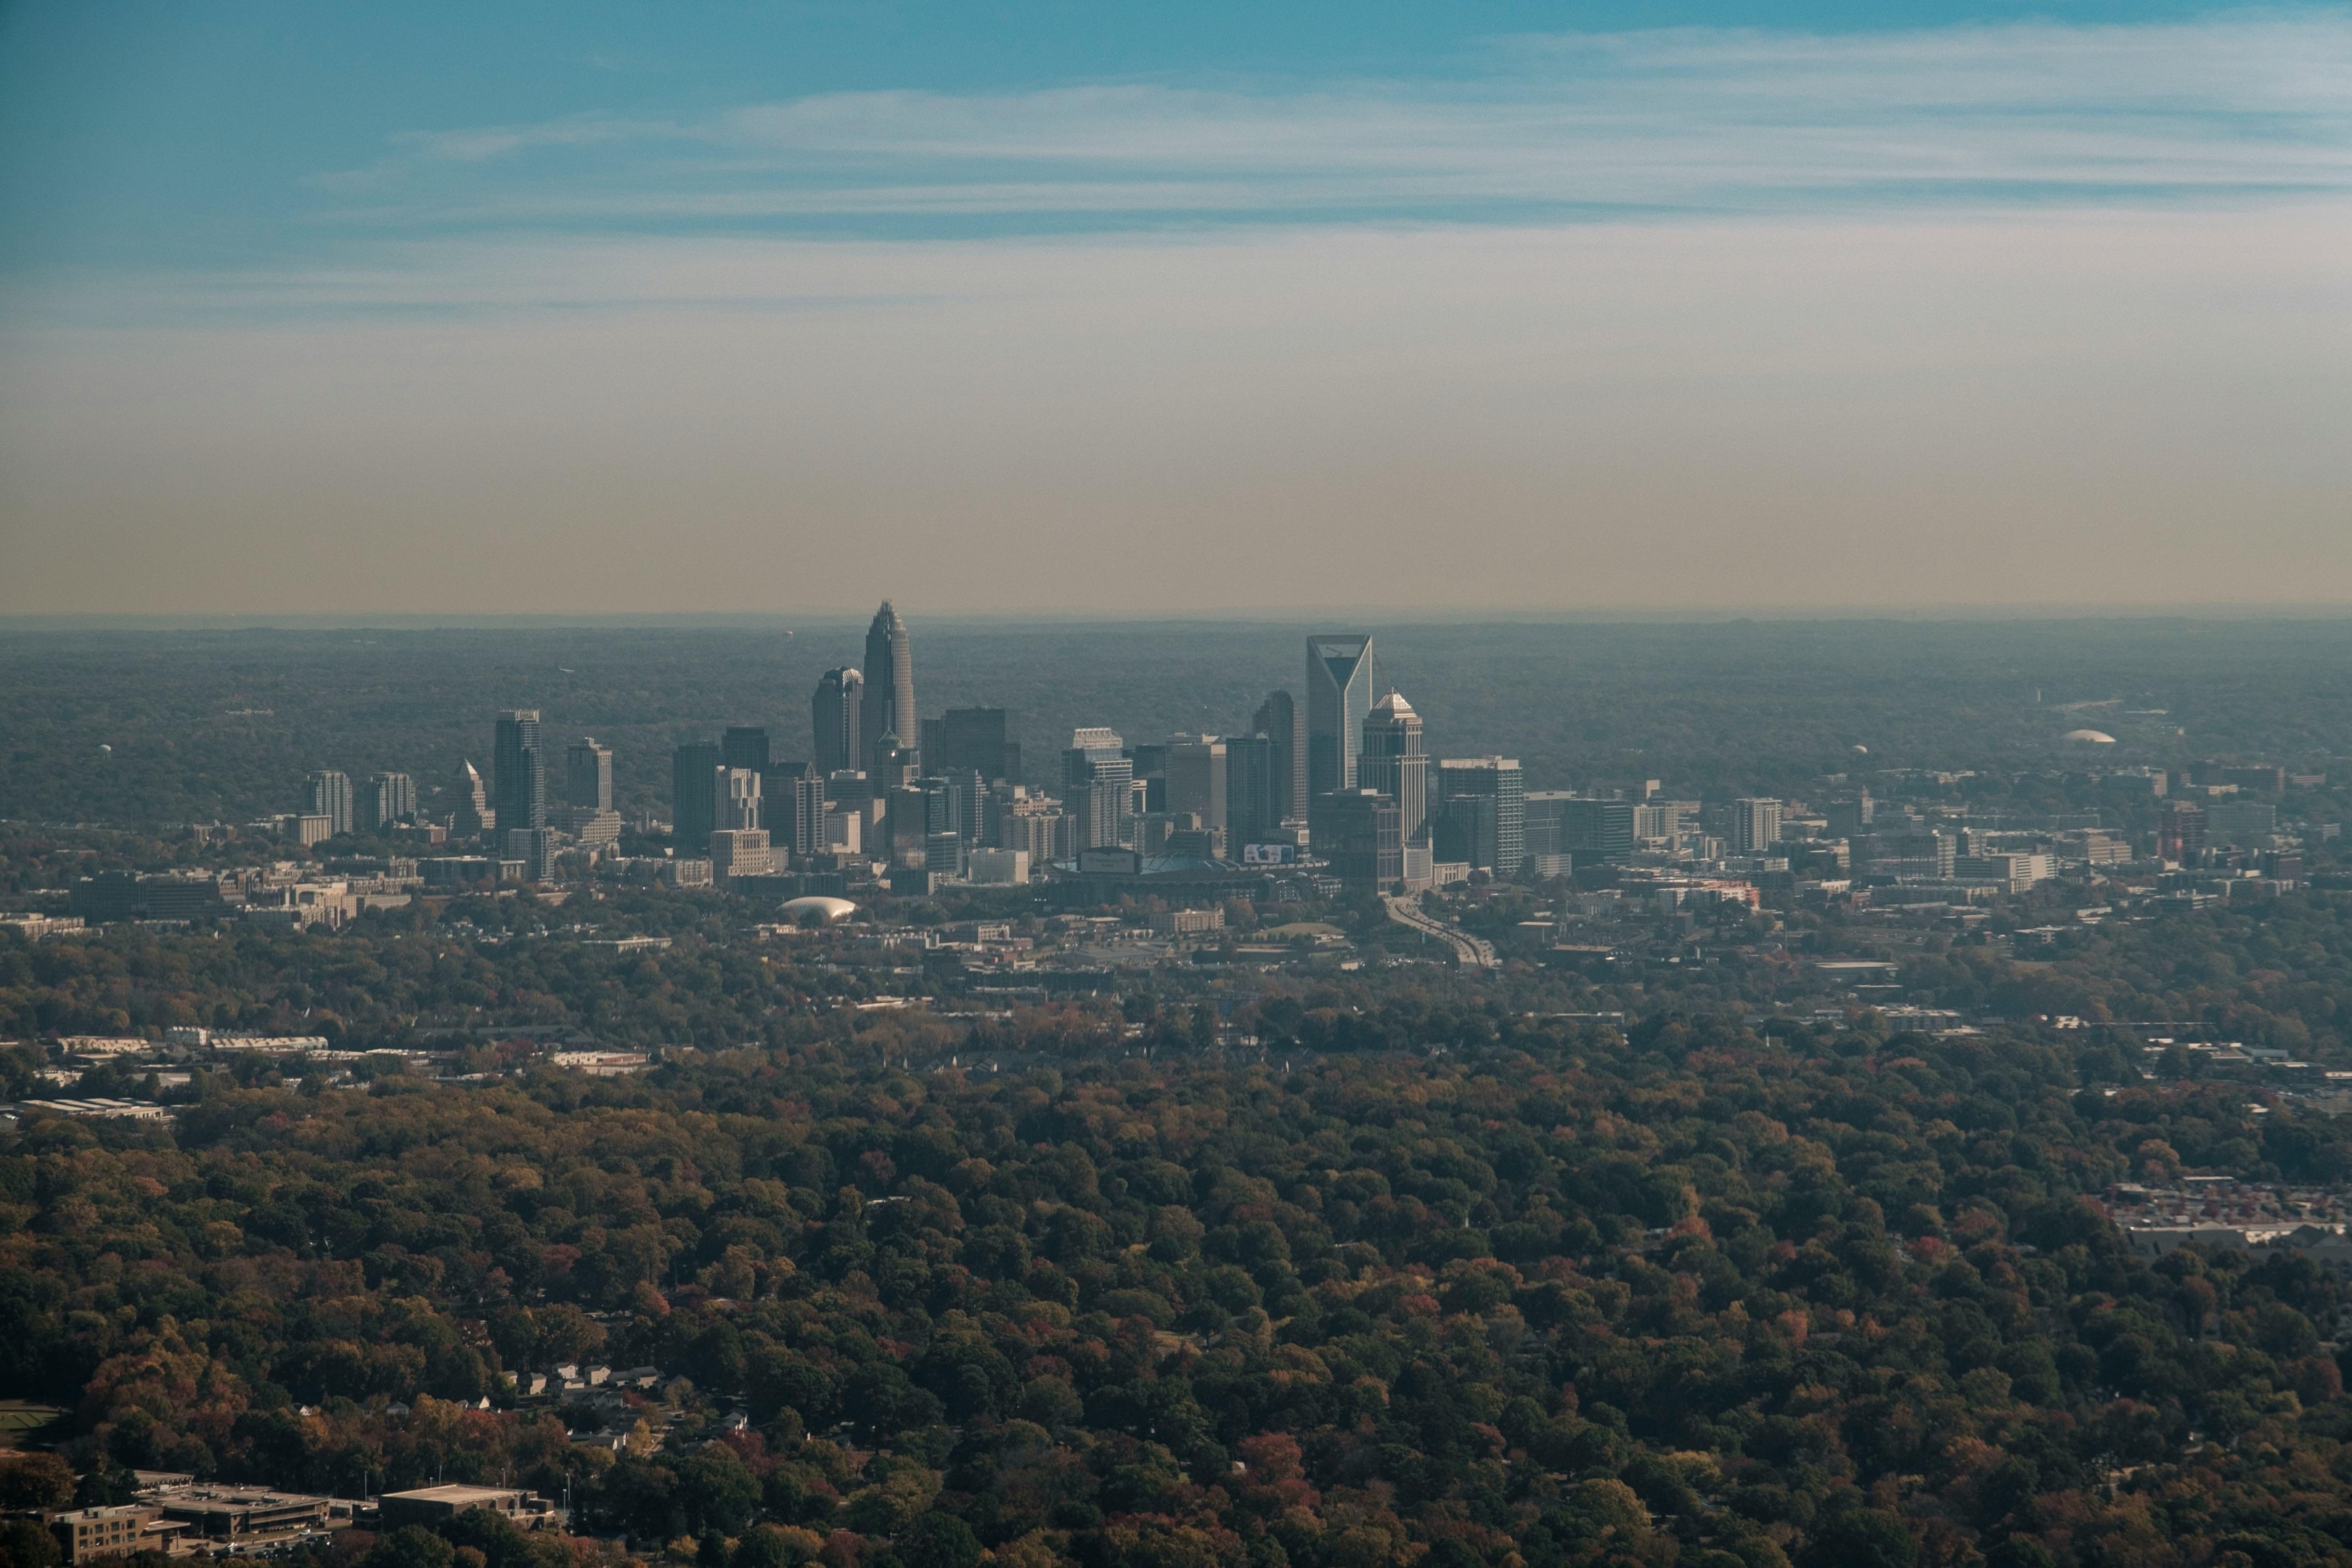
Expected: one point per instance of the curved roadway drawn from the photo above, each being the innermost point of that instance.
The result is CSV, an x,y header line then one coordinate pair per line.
x,y
1470,952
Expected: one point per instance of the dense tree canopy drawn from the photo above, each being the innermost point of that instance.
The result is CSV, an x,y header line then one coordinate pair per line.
x,y
1557,1296
1249,1265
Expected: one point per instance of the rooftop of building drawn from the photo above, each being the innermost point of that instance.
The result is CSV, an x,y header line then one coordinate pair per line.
x,y
235,1497
112,1510
1166,865
454,1494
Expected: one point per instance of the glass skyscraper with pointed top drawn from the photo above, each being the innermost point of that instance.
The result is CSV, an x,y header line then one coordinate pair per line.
x,y
1339,700
887,705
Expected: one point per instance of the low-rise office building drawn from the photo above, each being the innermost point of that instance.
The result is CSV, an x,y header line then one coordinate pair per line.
x,y
86,1533
430,1505
237,1513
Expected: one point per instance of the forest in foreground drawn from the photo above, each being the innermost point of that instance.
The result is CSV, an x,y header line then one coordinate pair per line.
x,y
1555,1295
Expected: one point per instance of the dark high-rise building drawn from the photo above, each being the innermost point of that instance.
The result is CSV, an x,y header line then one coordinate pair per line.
x,y
1755,826
1277,720
1254,791
1396,761
926,827
900,841
694,796
518,772
970,792
1339,700
385,799
587,811
834,712
744,746
1367,839
1148,765
894,764
536,847
328,793
588,775
1461,827
2182,831
942,808
1198,770
1593,831
792,807
974,738
1546,832
1849,818
947,832
887,705
1486,808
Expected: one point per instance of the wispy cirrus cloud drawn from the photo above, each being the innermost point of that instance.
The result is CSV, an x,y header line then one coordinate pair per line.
x,y
483,143
1675,121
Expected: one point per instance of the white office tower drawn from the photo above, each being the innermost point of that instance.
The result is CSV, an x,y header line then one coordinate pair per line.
x,y
740,852
736,799
1395,761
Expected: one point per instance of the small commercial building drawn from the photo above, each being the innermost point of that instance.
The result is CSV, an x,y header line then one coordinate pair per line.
x,y
2327,1246
430,1505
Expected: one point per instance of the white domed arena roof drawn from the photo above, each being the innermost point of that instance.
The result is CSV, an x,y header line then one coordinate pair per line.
x,y
835,910
2089,737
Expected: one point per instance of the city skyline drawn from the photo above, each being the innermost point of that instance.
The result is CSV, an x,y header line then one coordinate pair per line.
x,y
991,683
1221,805
1881,1020
1387,813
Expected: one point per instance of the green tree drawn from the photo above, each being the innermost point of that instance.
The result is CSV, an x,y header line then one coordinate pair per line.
x,y
31,1482
937,1540
412,1546
1863,1537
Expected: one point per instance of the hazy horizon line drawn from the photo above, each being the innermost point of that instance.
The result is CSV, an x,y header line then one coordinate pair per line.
x,y
1990,612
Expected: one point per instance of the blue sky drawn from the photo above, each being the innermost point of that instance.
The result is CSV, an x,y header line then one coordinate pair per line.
x,y
178,134
1811,286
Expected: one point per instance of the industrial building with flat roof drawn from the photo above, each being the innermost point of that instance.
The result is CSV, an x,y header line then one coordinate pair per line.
x,y
430,1505
235,1513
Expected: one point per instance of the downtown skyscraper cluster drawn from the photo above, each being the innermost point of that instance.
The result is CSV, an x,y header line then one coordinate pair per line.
x,y
1335,779
1342,779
